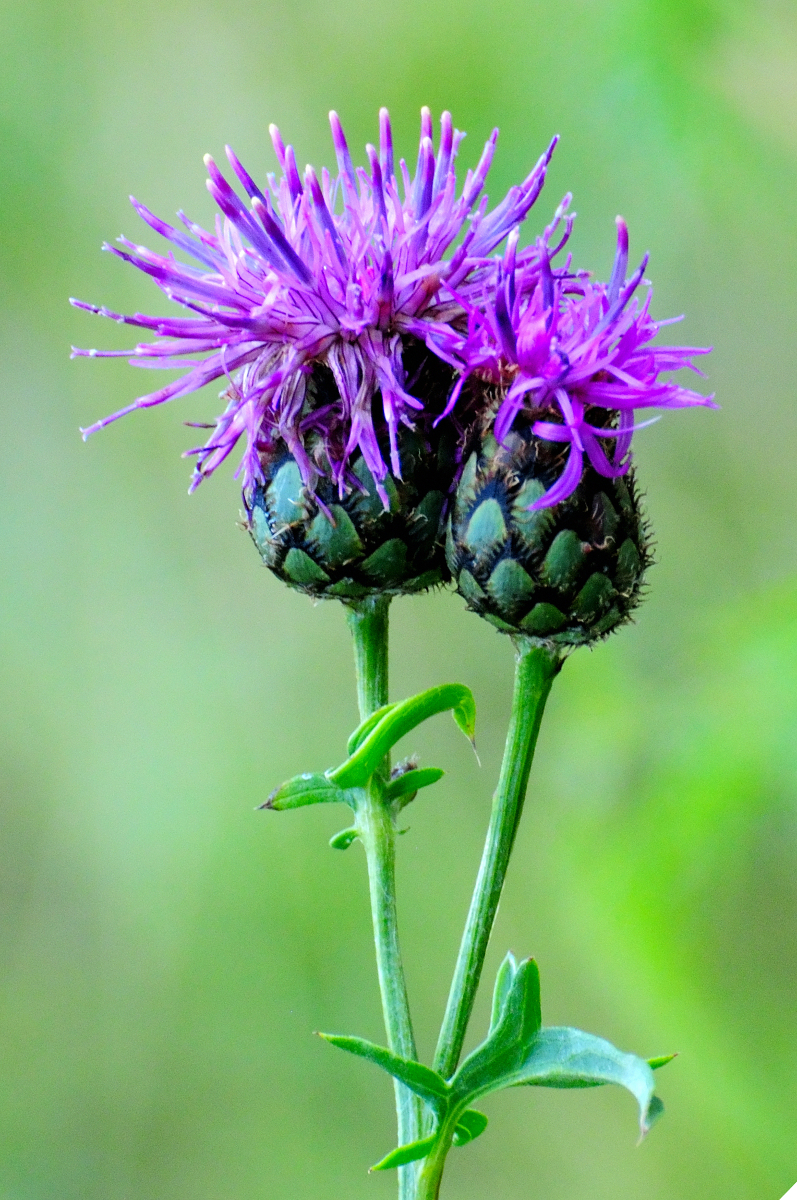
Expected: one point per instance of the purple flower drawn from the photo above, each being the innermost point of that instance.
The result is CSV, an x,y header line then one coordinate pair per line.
x,y
333,271
573,355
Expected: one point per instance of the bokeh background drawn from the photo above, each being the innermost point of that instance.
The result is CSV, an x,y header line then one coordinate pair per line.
x,y
165,950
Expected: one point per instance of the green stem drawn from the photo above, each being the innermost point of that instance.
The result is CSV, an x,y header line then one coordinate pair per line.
x,y
368,622
431,1174
535,670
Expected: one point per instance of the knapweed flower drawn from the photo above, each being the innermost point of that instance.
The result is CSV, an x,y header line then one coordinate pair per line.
x,y
546,536
322,303
333,272
572,355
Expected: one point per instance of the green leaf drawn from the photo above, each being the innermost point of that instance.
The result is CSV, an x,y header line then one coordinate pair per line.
x,y
508,1043
398,721
406,1154
661,1061
420,1079
503,982
364,728
570,1058
306,789
412,781
471,1125
342,840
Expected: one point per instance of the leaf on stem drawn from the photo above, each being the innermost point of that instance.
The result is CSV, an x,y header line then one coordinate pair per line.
x,y
357,738
342,840
471,1125
411,782
406,1154
503,982
397,721
518,1051
420,1079
306,789
507,1045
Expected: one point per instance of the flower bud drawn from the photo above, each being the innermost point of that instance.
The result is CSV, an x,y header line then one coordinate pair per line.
x,y
566,574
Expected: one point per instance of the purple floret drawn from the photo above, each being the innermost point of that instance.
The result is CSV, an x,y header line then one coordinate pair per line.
x,y
333,271
573,356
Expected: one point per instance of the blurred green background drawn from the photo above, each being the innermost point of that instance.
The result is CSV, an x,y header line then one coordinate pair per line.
x,y
166,951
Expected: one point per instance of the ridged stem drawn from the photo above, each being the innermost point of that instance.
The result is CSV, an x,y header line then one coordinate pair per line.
x,y
368,621
535,670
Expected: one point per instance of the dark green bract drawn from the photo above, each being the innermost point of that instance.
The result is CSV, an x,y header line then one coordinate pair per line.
x,y
353,546
565,575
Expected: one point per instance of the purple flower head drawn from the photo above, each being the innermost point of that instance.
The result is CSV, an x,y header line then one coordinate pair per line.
x,y
574,355
311,271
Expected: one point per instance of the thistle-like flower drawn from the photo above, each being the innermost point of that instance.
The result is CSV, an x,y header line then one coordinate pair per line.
x,y
546,537
573,355
322,303
332,272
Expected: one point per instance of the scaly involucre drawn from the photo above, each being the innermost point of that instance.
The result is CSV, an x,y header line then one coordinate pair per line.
x,y
333,271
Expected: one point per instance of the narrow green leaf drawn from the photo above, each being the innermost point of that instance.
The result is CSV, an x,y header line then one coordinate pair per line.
x,y
412,781
420,1079
503,982
471,1125
306,789
507,1045
364,728
398,721
406,1154
342,840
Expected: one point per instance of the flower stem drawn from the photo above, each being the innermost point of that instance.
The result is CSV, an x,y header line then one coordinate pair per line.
x,y
368,621
535,670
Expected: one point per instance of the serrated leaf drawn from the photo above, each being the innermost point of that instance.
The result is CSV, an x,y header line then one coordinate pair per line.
x,y
306,789
342,840
357,738
406,1154
503,982
471,1125
569,1058
420,1079
507,1045
398,721
412,781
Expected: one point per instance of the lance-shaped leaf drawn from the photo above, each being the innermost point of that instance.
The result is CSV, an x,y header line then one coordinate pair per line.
x,y
306,789
406,1154
411,782
503,982
399,720
517,1000
570,1058
470,1126
357,738
420,1079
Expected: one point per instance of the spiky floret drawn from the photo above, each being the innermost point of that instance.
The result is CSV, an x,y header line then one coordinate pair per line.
x,y
332,272
564,574
574,357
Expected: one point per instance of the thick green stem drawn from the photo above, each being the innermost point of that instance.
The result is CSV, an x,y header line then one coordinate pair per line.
x,y
535,670
368,622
